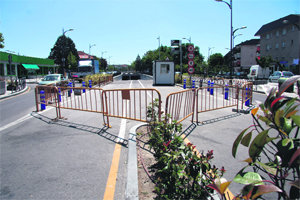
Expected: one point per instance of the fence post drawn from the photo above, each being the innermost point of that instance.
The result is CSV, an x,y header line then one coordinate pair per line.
x,y
247,99
184,84
212,88
83,85
42,100
59,94
208,85
90,83
193,84
36,99
69,90
226,92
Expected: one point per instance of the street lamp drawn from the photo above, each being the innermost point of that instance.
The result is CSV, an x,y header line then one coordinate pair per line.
x,y
90,46
188,39
208,54
231,28
158,47
64,32
103,53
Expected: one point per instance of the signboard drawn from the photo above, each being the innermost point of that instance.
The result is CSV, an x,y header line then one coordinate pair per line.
x,y
191,56
191,63
175,43
191,70
191,48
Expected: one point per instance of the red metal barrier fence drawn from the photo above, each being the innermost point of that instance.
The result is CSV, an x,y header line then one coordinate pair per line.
x,y
133,103
180,105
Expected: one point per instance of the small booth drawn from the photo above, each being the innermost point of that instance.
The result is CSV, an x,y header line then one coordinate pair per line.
x,y
163,72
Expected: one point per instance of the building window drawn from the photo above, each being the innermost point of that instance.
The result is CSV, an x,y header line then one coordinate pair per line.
x,y
277,33
268,36
283,44
277,46
283,31
292,42
268,47
164,68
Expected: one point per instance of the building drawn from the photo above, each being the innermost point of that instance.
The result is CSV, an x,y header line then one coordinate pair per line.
x,y
245,55
280,39
84,56
25,66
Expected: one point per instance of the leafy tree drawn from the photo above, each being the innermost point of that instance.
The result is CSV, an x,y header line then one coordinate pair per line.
x,y
215,61
1,41
138,63
73,63
265,62
103,63
61,50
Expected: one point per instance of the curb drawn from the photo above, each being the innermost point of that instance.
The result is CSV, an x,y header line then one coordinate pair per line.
x,y
132,190
14,94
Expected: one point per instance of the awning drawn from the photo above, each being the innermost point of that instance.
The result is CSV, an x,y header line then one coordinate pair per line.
x,y
30,66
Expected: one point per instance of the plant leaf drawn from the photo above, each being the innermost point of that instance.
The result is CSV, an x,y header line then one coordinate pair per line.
x,y
248,160
296,119
278,116
291,113
296,184
295,155
248,178
268,168
246,140
237,142
254,111
286,84
257,144
264,189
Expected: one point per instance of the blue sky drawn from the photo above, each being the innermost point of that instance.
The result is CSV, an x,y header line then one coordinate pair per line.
x,y
124,29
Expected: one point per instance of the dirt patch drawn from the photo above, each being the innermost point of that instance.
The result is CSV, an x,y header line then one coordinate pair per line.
x,y
145,161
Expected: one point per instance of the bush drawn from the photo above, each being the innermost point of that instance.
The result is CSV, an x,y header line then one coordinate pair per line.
x,y
181,172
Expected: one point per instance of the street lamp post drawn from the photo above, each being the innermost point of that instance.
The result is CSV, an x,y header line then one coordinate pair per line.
x,y
103,53
90,46
231,30
63,53
158,47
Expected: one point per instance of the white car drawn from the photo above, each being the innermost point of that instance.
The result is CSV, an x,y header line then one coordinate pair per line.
x,y
52,79
280,74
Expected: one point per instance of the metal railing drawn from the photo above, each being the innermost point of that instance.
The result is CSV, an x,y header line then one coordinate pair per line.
x,y
132,103
180,105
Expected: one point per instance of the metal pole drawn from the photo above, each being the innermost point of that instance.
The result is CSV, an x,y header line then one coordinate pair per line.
x,y
180,50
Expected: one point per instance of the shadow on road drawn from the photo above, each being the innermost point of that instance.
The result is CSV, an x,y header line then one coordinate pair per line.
x,y
103,132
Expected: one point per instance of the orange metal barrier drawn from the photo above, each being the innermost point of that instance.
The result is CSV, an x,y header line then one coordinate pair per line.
x,y
180,105
131,103
220,97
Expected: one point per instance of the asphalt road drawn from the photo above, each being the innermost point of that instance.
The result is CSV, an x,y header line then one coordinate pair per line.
x,y
18,106
72,158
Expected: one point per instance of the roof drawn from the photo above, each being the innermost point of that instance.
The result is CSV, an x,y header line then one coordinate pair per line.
x,y
250,42
291,19
26,59
83,55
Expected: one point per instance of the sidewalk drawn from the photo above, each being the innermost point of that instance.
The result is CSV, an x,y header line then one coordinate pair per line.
x,y
9,93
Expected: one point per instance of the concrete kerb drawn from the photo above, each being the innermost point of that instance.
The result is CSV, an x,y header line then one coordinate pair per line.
x,y
132,190
9,94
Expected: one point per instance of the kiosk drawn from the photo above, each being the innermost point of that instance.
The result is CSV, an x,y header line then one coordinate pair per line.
x,y
163,72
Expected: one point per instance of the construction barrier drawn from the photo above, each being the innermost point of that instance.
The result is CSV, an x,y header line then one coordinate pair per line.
x,y
132,104
180,105
137,104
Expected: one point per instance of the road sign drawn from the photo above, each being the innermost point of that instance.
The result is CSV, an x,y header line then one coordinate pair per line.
x,y
191,70
191,63
191,48
191,56
175,43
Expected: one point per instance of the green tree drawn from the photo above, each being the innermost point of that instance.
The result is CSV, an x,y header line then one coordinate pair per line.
x,y
61,50
138,63
1,41
73,63
215,61
103,64
265,62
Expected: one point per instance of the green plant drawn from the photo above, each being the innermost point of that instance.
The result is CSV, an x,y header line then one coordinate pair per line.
x,y
180,171
273,148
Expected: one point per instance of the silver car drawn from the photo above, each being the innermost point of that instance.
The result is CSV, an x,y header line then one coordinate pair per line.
x,y
280,74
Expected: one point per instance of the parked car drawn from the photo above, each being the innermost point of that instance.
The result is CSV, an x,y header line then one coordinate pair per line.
x,y
280,74
52,79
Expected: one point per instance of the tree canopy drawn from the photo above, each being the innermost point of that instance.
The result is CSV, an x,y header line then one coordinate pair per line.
x,y
61,50
1,41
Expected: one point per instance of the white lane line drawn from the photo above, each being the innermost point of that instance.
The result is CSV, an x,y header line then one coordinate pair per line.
x,y
122,131
144,87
